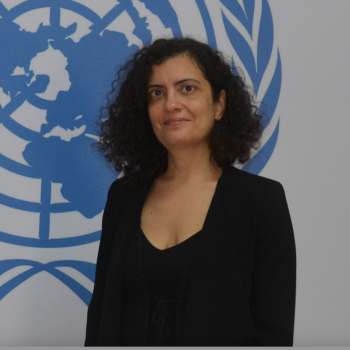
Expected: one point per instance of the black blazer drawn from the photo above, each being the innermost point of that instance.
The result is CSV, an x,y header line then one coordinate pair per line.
x,y
241,288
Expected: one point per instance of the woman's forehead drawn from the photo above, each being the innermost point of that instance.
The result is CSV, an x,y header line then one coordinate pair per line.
x,y
179,67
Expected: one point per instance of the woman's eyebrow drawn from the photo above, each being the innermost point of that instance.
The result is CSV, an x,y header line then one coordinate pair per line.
x,y
177,83
187,79
155,85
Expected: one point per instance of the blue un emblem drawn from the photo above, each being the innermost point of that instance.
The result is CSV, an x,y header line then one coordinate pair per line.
x,y
58,59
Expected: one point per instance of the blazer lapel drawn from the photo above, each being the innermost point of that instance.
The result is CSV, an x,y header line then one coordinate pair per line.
x,y
215,292
110,327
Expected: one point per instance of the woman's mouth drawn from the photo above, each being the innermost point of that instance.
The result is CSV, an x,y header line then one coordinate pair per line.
x,y
175,121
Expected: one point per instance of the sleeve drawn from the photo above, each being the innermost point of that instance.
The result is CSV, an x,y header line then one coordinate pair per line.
x,y
110,216
274,276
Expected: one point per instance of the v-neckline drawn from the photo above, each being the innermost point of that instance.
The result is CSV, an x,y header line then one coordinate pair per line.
x,y
195,235
207,217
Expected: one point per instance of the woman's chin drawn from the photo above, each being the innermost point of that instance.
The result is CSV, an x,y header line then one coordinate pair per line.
x,y
180,143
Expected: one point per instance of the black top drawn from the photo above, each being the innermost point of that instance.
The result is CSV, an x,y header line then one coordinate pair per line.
x,y
158,276
242,278
163,269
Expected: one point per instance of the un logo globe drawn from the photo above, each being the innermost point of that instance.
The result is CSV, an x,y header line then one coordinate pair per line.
x,y
57,63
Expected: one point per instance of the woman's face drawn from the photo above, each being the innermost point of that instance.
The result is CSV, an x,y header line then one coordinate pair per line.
x,y
180,104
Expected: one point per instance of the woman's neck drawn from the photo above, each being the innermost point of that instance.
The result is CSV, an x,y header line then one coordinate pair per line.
x,y
186,166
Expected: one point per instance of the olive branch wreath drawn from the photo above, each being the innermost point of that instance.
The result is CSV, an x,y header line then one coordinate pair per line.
x,y
250,38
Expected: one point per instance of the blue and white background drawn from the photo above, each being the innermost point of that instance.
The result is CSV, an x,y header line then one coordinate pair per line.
x,y
57,61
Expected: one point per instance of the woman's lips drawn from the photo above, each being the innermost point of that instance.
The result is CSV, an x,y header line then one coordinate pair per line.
x,y
175,121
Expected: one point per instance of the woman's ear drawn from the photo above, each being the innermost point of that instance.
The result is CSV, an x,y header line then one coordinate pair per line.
x,y
220,105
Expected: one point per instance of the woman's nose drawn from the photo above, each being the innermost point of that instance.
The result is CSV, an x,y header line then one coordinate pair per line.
x,y
172,102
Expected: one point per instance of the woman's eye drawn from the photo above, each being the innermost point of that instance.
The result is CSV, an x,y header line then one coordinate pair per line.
x,y
188,88
156,93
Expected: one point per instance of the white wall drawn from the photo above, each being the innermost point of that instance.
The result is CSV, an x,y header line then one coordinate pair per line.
x,y
312,161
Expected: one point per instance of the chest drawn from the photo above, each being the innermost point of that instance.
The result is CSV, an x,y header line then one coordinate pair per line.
x,y
172,215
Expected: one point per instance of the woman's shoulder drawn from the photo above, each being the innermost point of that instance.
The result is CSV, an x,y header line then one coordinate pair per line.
x,y
121,189
252,184
118,185
263,198
116,189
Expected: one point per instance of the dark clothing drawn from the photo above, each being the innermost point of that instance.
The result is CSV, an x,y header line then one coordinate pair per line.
x,y
158,274
165,273
163,269
241,280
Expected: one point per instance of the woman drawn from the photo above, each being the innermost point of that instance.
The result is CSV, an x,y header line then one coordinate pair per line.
x,y
193,251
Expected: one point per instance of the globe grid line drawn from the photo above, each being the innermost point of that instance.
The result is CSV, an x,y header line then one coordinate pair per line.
x,y
45,208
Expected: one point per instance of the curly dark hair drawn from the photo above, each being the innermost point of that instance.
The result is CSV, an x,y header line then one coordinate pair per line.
x,y
127,138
